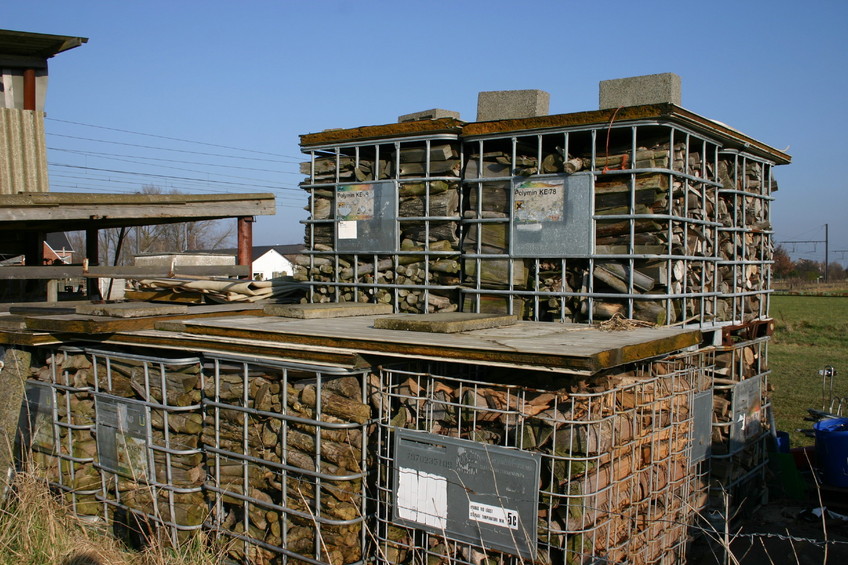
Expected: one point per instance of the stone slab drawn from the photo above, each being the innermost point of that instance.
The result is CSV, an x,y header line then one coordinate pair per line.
x,y
512,104
327,310
446,323
131,309
640,91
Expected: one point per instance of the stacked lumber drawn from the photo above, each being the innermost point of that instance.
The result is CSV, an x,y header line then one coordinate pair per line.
x,y
159,479
274,439
67,461
414,278
615,470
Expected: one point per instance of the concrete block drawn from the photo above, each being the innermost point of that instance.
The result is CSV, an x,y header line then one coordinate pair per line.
x,y
131,309
327,310
637,91
433,114
512,104
446,323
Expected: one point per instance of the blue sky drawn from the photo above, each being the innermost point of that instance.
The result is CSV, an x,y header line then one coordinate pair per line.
x,y
211,96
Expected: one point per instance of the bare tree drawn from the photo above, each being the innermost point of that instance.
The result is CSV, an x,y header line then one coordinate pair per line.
x,y
161,238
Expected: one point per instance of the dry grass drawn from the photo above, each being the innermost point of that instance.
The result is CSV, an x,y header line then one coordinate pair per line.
x,y
36,528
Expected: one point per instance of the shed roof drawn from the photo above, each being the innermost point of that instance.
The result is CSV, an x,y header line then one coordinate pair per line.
x,y
35,45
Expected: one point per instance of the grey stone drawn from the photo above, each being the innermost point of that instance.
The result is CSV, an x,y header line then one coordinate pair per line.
x,y
512,104
131,309
16,368
433,114
637,91
447,323
327,310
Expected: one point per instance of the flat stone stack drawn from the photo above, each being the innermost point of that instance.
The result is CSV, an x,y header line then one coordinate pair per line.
x,y
59,423
617,483
285,456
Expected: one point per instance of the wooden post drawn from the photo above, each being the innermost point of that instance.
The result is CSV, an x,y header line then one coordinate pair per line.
x,y
92,253
29,89
245,241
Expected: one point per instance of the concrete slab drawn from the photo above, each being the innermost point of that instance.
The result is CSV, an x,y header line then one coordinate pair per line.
x,y
131,309
327,310
446,323
434,114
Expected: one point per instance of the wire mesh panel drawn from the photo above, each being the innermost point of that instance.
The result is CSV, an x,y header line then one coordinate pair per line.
x,y
148,441
285,448
740,427
58,426
384,223
745,236
648,252
616,480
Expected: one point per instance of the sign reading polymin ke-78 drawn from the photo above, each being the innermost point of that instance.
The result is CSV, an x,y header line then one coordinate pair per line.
x,y
482,494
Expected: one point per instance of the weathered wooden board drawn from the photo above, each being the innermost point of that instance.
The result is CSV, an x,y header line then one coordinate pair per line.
x,y
558,347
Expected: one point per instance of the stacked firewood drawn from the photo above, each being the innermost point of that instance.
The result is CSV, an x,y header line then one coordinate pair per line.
x,y
167,487
646,195
428,224
67,460
745,246
265,469
615,471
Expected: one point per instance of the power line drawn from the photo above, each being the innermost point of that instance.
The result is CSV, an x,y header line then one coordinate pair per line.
x,y
171,138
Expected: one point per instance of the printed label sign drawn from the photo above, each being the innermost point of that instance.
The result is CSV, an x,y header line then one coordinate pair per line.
x,y
538,201
422,497
122,436
493,515
355,202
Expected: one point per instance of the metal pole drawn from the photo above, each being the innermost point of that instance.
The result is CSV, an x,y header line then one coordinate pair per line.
x,y
826,258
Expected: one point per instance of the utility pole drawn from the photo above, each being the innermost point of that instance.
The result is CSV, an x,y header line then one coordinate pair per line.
x,y
826,242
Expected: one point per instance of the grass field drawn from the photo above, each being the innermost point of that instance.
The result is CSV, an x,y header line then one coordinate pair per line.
x,y
811,332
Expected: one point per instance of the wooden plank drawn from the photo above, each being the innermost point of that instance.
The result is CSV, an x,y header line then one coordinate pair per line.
x,y
82,324
575,348
52,272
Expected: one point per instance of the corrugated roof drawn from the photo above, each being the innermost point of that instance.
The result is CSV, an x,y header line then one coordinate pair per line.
x,y
40,45
23,152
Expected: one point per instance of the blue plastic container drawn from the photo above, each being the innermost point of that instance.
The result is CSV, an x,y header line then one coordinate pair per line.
x,y
781,442
832,450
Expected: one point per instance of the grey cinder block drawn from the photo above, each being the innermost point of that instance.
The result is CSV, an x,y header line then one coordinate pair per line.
x,y
512,104
433,114
641,90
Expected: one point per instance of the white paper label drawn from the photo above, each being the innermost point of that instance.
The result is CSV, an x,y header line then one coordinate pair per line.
x,y
494,515
422,498
347,229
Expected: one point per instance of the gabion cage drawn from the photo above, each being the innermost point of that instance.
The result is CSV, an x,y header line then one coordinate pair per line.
x,y
148,450
285,446
617,481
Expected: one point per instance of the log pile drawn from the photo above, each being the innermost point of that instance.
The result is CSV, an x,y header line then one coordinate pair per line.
x,y
415,278
615,470
67,461
268,474
160,480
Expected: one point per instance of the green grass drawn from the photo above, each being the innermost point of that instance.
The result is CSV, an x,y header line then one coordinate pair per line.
x,y
811,332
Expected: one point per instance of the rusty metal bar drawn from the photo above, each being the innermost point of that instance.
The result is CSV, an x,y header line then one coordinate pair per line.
x,y
245,241
29,89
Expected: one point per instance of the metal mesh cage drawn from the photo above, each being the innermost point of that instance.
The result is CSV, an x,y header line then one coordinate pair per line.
x,y
285,449
616,478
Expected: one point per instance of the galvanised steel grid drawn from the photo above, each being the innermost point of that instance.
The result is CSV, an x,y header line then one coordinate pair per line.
x,y
62,401
745,235
681,250
415,267
739,452
286,452
616,481
148,430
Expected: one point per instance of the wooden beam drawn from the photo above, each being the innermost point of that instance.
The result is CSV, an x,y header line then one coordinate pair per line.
x,y
54,272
